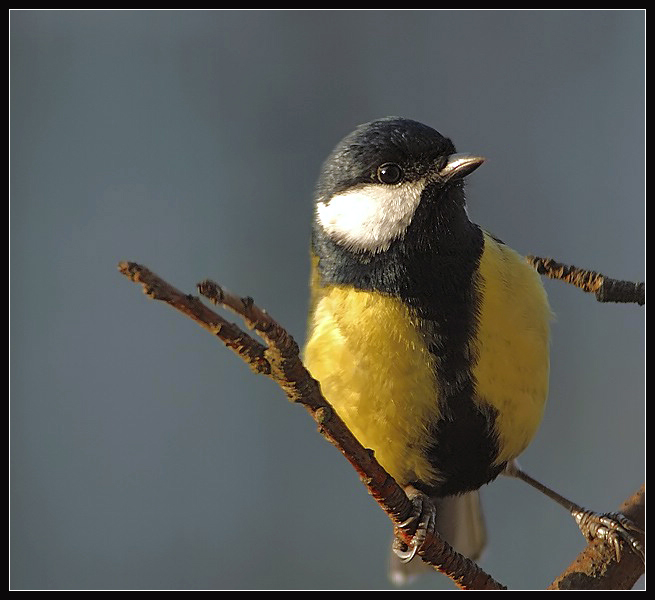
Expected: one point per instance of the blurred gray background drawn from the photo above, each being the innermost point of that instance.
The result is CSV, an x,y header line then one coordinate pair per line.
x,y
144,455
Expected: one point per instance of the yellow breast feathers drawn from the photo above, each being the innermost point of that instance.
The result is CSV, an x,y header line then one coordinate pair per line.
x,y
374,367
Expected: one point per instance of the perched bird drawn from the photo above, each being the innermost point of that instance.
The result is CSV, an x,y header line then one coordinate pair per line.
x,y
429,336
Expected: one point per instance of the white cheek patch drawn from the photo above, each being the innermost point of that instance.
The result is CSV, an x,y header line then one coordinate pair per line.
x,y
370,217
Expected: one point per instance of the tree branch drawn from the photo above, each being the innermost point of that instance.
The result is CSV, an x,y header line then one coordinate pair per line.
x,y
279,359
605,288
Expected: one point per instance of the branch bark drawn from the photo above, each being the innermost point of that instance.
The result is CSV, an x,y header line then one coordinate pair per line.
x,y
605,288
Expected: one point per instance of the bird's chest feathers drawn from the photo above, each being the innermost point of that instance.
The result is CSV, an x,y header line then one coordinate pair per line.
x,y
459,389
373,364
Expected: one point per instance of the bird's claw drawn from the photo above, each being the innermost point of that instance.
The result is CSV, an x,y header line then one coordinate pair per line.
x,y
613,528
421,522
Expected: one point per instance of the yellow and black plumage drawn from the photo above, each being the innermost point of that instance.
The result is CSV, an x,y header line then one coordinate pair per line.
x,y
429,336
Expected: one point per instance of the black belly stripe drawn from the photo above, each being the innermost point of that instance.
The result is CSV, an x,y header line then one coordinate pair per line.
x,y
439,282
463,444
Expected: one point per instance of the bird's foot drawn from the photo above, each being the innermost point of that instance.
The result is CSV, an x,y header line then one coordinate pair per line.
x,y
419,524
613,528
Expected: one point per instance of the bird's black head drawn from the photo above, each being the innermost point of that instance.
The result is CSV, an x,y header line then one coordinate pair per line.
x,y
374,181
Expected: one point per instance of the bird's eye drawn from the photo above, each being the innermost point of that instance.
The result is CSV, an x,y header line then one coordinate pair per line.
x,y
389,173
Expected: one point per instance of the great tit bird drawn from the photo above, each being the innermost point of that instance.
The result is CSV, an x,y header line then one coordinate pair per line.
x,y
429,336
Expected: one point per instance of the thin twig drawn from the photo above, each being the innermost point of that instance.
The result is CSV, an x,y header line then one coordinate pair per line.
x,y
605,288
280,360
249,349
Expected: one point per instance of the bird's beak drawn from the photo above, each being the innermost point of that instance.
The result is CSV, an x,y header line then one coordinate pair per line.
x,y
460,165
